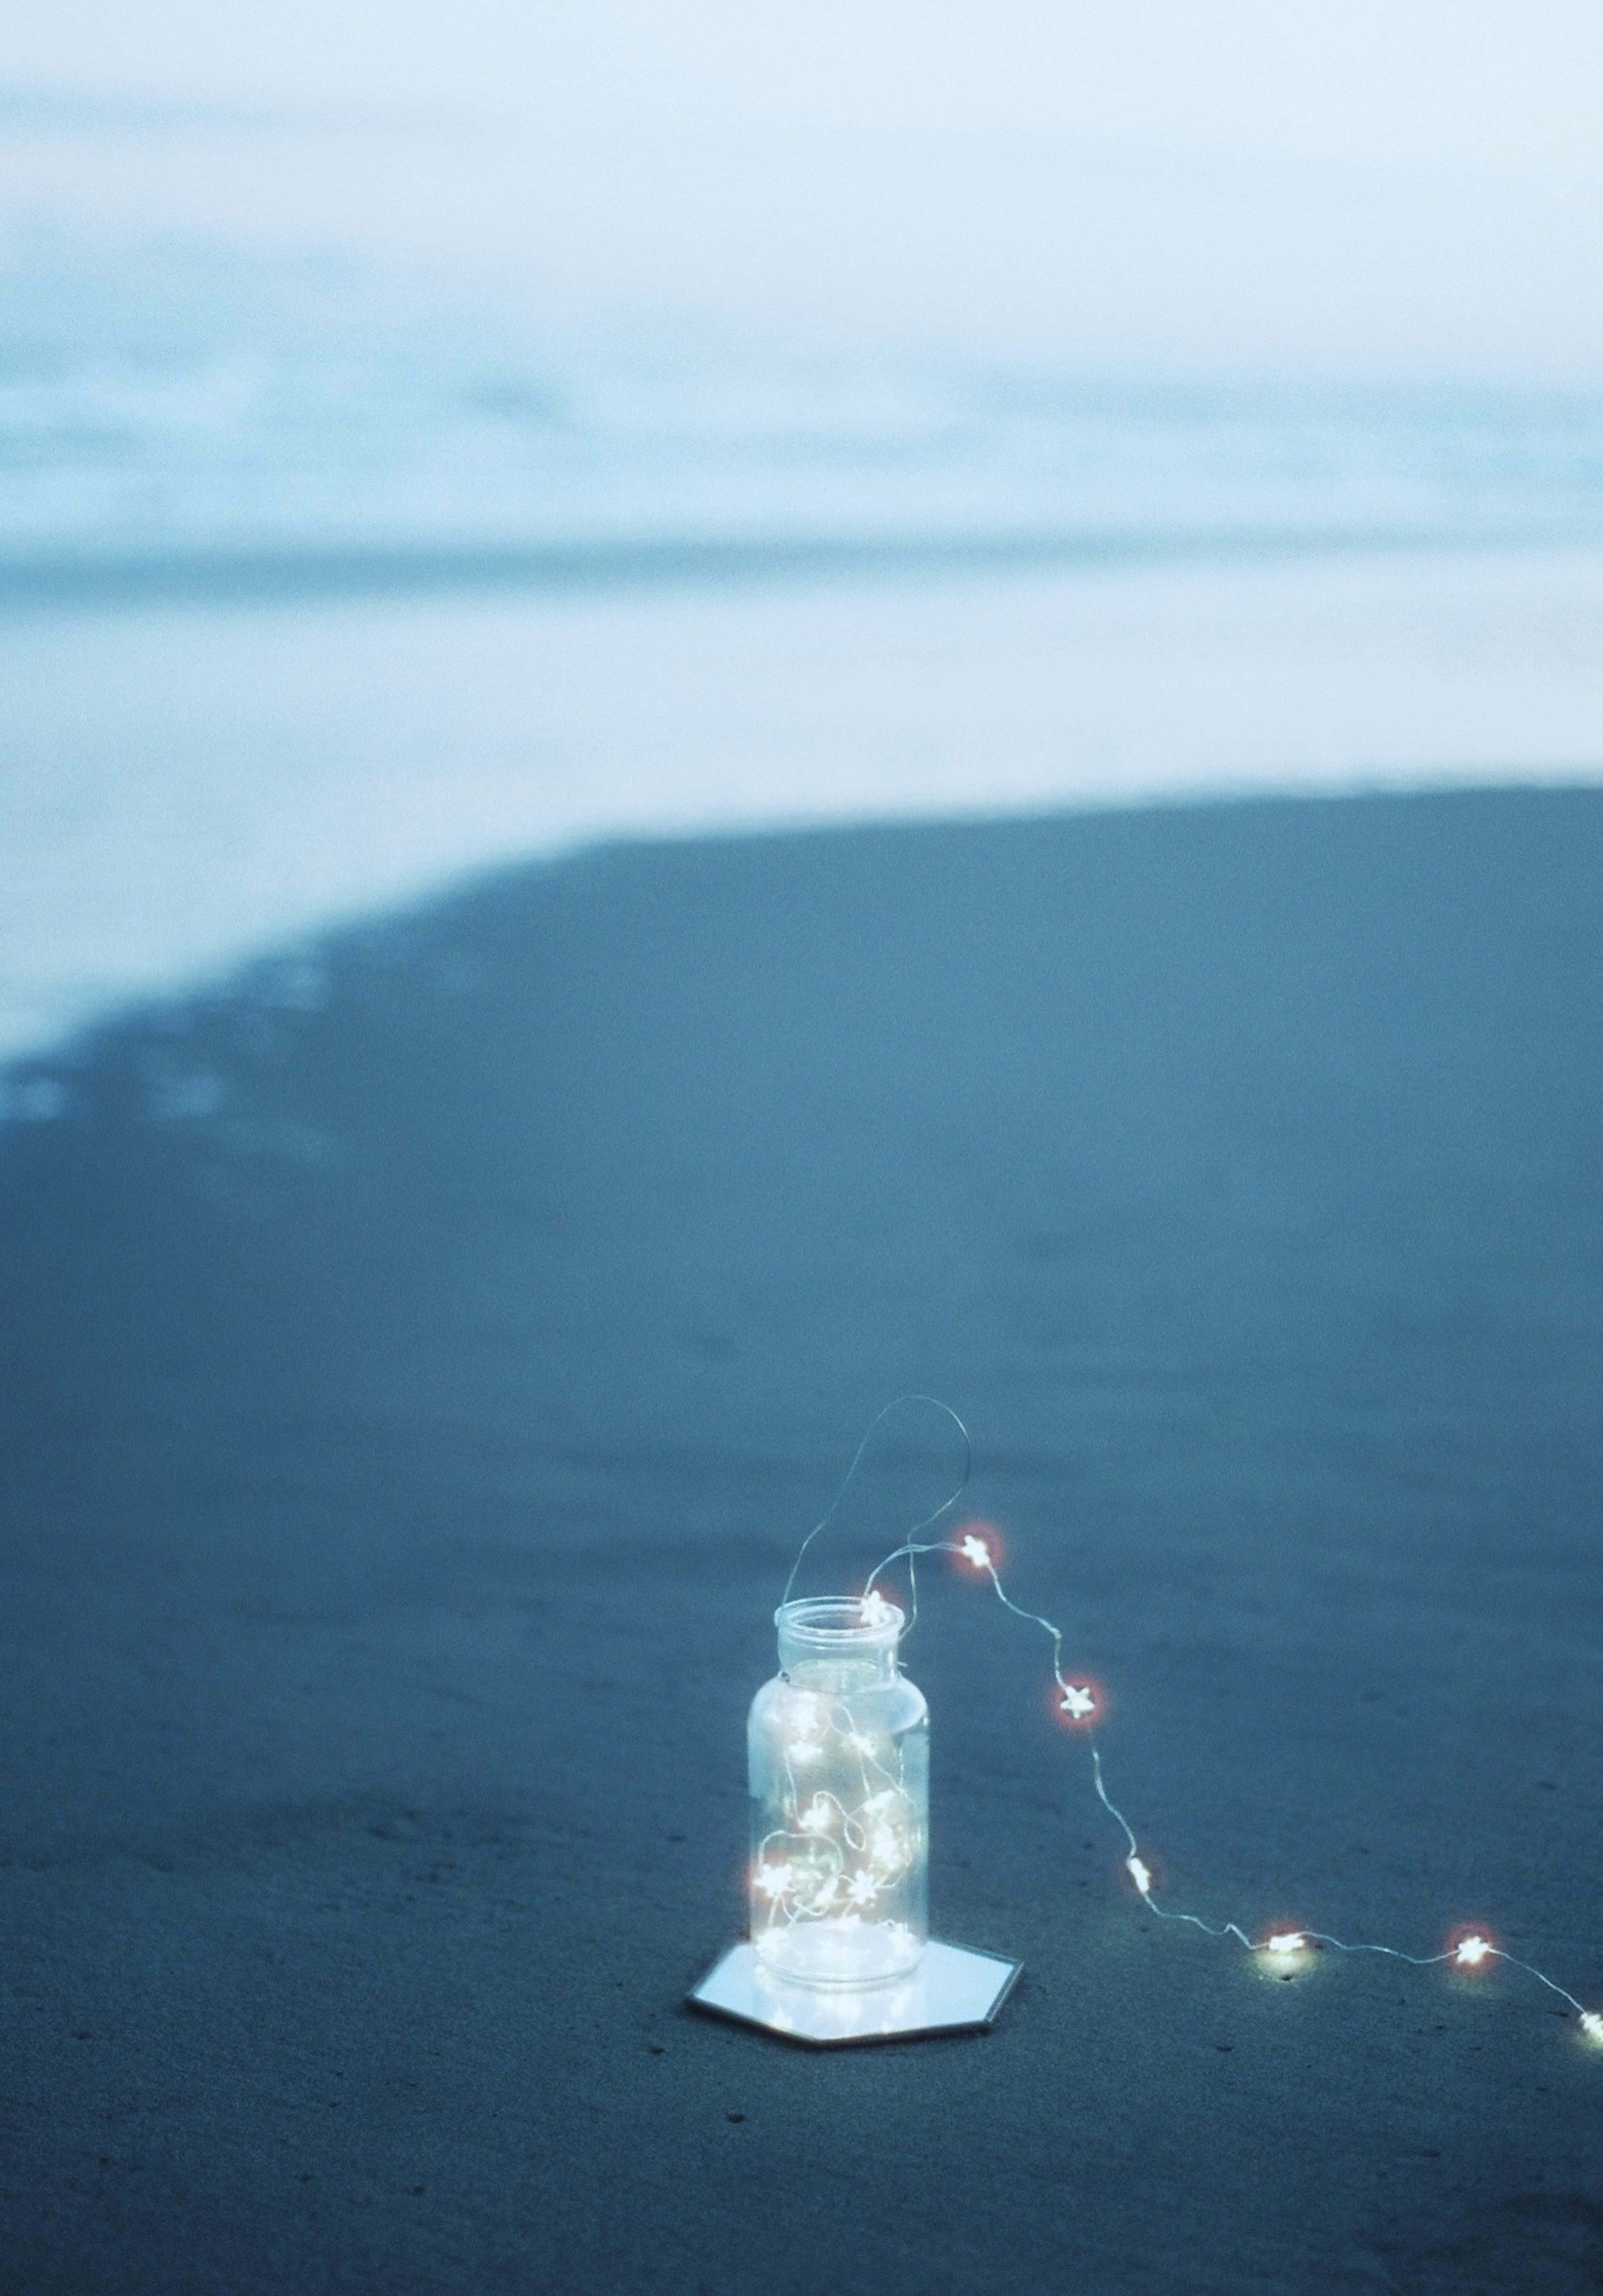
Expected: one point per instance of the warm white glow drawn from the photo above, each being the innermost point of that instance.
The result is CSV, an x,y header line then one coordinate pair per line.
x,y
773,1881
1285,1941
1591,2025
975,1550
1140,1873
819,1815
1078,1702
874,1611
1471,1951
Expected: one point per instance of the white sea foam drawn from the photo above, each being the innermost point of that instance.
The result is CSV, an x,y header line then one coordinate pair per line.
x,y
181,787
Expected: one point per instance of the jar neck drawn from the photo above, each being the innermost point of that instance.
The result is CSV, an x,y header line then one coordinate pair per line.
x,y
829,1643
839,1675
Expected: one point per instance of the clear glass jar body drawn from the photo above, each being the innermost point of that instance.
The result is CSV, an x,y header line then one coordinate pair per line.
x,y
838,1753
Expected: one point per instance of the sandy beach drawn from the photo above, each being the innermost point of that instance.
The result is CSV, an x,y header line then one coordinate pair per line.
x,y
419,1361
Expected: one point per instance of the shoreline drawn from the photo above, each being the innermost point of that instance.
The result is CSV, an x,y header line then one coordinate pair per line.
x,y
187,787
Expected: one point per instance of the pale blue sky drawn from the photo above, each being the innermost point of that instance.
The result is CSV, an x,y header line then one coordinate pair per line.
x,y
1414,187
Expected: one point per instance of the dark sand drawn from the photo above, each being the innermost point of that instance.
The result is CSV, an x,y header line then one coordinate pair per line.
x,y
414,1384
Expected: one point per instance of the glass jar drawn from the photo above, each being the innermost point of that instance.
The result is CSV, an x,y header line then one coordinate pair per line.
x,y
839,1750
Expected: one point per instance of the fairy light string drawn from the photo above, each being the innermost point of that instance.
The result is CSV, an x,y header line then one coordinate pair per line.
x,y
1080,1704
846,1844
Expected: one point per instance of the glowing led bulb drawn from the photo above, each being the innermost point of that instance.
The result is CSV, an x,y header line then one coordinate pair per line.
x,y
1285,1941
772,1881
1077,1701
975,1550
874,1611
1591,2025
819,1815
1471,1951
1140,1873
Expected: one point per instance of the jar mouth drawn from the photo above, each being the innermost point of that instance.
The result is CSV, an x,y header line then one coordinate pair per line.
x,y
833,1625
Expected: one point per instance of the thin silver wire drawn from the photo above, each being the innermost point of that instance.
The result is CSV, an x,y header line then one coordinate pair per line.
x,y
945,1507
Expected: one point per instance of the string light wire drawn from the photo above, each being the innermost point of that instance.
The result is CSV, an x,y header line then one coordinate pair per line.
x,y
868,1432
1080,1704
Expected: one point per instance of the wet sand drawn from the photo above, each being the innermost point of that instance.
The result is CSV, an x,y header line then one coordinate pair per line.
x,y
418,1365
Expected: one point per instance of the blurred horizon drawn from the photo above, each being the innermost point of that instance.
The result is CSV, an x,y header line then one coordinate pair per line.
x,y
1375,194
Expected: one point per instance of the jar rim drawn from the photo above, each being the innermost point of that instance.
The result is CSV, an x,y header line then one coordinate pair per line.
x,y
835,1623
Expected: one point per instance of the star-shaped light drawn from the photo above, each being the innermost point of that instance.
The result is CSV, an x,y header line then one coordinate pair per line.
x,y
863,1889
819,1815
859,1742
1140,1873
1285,1941
1591,2025
773,1881
974,1550
1471,1951
1077,1701
874,1611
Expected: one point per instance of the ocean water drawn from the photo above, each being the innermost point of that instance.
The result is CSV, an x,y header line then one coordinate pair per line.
x,y
321,587
174,408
